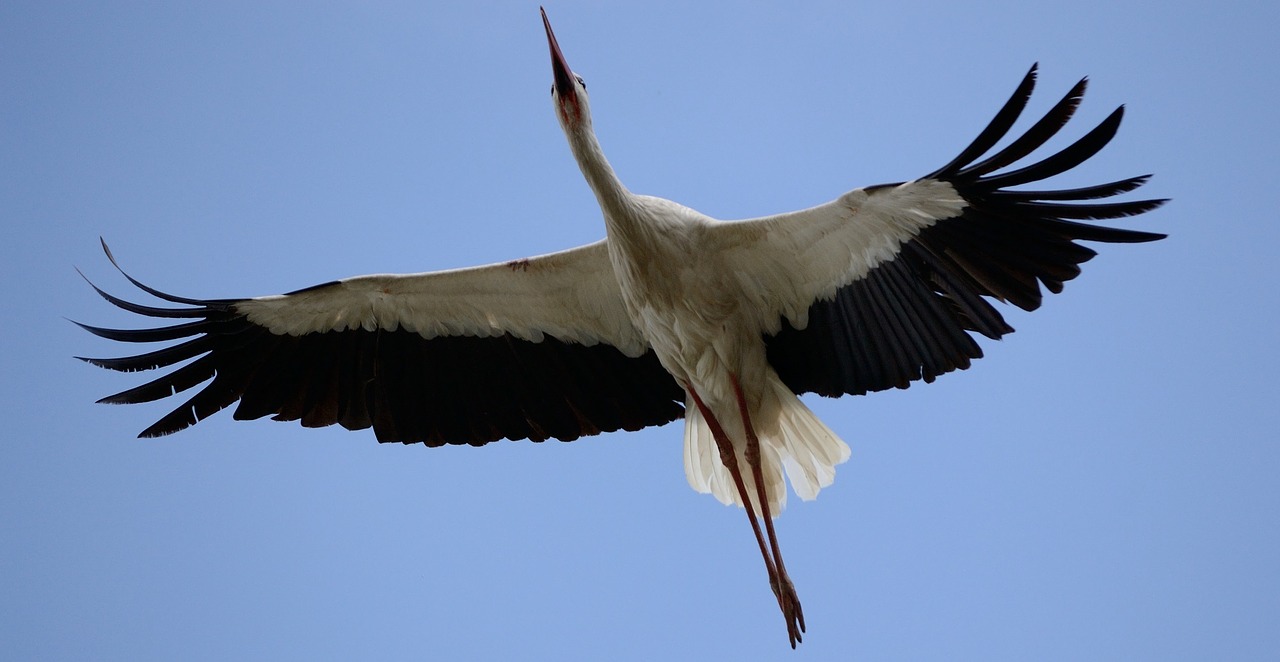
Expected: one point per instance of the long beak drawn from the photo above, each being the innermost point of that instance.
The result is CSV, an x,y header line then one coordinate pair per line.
x,y
564,76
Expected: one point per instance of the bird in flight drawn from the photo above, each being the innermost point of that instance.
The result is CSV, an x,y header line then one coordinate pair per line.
x,y
673,315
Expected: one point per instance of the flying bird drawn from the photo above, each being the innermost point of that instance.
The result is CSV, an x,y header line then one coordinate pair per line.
x,y
673,315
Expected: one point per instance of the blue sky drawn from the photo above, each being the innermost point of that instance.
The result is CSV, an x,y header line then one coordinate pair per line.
x,y
1101,486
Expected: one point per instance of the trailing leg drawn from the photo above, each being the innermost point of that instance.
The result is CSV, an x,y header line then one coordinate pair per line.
x,y
782,587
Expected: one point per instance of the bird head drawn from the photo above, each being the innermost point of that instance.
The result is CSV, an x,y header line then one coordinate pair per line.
x,y
568,91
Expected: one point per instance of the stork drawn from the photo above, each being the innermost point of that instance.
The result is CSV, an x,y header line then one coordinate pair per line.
x,y
674,314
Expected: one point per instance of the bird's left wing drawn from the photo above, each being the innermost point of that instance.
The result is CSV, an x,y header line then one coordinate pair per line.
x,y
537,348
882,286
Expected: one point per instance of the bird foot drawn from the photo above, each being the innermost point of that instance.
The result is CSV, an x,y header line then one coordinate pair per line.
x,y
789,603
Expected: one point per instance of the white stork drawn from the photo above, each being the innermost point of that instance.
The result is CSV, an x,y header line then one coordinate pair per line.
x,y
674,314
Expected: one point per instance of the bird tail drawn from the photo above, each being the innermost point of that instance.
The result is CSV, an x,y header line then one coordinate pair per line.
x,y
795,441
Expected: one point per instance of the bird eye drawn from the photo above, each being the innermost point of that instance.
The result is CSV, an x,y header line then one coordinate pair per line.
x,y
581,82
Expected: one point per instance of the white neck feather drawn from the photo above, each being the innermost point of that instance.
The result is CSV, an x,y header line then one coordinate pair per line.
x,y
612,195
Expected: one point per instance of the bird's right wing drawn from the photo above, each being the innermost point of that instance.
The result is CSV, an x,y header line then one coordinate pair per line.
x,y
883,286
537,348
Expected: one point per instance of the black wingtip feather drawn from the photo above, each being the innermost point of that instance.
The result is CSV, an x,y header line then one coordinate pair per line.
x,y
1069,157
1037,135
1009,240
998,127
159,334
149,311
217,303
1095,192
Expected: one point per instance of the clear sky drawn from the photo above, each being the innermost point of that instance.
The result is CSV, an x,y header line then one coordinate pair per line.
x,y
1102,486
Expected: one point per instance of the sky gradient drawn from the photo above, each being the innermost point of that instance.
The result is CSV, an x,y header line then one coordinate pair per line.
x,y
1101,486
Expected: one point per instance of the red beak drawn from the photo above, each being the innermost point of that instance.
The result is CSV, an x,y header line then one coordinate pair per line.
x,y
564,76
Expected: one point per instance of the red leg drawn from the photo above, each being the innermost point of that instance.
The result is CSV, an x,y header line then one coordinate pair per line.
x,y
783,590
730,461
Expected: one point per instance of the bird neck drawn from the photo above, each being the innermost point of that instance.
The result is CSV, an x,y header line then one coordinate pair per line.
x,y
610,192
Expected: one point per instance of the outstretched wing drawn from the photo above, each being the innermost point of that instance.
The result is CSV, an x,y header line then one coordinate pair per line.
x,y
538,348
883,286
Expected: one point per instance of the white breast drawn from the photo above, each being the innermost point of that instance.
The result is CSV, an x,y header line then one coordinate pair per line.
x,y
682,296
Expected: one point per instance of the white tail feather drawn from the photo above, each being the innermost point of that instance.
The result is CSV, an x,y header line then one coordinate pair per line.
x,y
799,443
